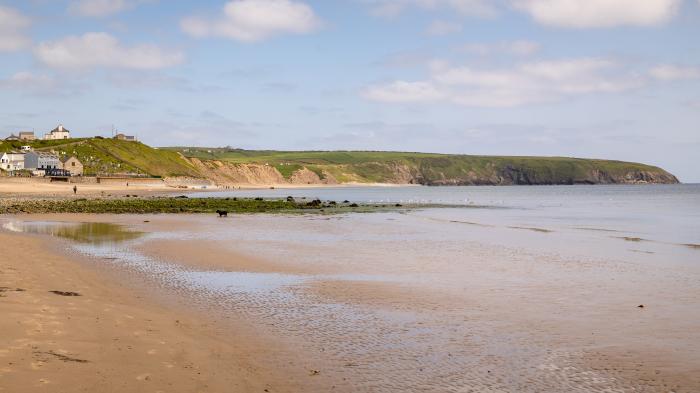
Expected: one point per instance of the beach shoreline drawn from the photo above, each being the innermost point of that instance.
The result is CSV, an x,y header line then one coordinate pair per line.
x,y
98,332
561,335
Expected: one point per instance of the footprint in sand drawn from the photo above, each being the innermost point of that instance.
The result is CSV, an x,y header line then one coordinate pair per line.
x,y
144,377
37,365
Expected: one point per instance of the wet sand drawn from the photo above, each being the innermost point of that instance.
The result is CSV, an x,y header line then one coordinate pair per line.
x,y
387,302
100,334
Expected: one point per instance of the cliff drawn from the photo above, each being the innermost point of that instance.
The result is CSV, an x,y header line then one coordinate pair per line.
x,y
270,167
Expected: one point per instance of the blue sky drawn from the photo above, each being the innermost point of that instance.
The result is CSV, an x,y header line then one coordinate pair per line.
x,y
613,79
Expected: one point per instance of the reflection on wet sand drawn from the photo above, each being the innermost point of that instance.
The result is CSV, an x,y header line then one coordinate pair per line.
x,y
85,232
391,302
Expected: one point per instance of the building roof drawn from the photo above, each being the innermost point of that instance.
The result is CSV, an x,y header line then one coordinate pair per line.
x,y
67,158
44,154
59,128
13,153
11,137
26,133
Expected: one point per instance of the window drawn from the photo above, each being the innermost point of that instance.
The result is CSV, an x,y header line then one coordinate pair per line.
x,y
72,163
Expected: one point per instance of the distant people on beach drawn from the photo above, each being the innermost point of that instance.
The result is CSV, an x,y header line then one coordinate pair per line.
x,y
75,190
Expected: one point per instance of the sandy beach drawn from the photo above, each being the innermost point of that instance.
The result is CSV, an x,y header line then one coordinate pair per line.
x,y
380,302
12,188
113,337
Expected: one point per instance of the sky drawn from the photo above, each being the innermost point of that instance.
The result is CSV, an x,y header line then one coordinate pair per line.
x,y
614,79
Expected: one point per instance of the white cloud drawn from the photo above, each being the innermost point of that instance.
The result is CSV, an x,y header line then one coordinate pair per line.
x,y
518,48
97,7
442,27
12,26
255,20
599,13
527,83
392,8
403,92
103,50
669,72
42,85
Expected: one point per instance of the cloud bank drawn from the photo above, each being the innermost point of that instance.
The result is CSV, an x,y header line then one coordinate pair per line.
x,y
525,83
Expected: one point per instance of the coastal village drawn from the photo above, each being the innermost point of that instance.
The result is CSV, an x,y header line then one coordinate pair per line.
x,y
54,161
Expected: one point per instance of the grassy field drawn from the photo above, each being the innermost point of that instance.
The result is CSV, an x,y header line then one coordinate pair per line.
x,y
274,157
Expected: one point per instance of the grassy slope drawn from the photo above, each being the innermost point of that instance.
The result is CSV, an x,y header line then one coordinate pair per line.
x,y
371,166
110,156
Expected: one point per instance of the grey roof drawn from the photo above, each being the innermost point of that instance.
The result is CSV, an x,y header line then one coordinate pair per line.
x,y
44,154
56,130
68,158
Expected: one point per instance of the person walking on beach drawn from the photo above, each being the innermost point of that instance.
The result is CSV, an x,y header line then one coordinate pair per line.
x,y
75,190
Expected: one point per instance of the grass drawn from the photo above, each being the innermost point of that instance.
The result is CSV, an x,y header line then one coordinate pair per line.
x,y
274,157
147,160
288,170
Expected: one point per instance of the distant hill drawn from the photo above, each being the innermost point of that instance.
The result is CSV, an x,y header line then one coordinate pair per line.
x,y
102,156
332,167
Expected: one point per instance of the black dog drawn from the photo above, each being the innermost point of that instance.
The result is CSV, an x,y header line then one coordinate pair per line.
x,y
222,213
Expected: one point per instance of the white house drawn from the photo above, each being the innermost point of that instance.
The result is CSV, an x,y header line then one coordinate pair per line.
x,y
58,133
12,161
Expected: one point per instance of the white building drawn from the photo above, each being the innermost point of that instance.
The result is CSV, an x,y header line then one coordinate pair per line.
x,y
58,133
12,161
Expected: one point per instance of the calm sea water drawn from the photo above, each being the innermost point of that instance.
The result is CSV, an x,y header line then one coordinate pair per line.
x,y
662,213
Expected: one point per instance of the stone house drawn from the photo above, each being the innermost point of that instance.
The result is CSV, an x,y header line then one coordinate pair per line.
x,y
26,136
122,137
72,165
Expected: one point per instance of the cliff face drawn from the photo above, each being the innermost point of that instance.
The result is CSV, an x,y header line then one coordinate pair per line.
x,y
520,176
443,171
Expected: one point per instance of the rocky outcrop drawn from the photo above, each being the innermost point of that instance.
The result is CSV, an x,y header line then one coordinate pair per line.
x,y
221,172
524,176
